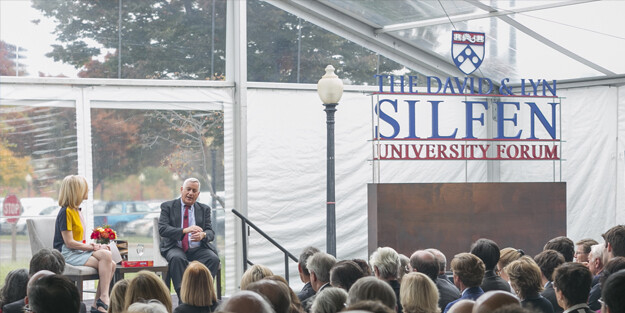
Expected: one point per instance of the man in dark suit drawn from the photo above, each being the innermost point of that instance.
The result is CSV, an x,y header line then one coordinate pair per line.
x,y
468,272
571,282
424,261
548,261
186,231
488,251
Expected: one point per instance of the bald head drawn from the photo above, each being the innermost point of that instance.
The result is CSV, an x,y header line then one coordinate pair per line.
x,y
275,291
425,262
37,276
462,306
246,302
493,300
440,257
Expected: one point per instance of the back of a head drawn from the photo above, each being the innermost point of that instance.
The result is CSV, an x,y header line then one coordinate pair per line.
x,y
573,280
404,266
254,274
118,294
488,251
513,308
492,300
462,306
386,260
53,294
14,286
329,300
548,261
440,257
368,306
321,263
425,262
468,268
47,259
524,276
364,266
613,266
344,274
147,286
151,306
246,301
612,293
276,292
418,294
563,245
197,285
508,255
615,236
371,288
303,258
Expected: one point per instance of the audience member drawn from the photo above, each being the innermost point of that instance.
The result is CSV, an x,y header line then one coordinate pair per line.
x,y
506,256
296,305
614,242
69,236
197,292
364,266
563,245
488,251
425,262
254,274
571,282
493,300
418,293
45,259
330,300
468,271
276,292
246,301
385,264
368,306
463,306
447,291
147,286
613,300
512,308
525,279
319,266
53,294
371,288
615,265
344,274
14,288
404,266
595,265
304,274
118,295
548,261
582,249
151,306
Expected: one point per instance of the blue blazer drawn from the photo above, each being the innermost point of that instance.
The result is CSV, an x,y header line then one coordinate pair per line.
x,y
470,293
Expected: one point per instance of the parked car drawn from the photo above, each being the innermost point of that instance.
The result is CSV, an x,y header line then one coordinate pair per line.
x,y
118,214
35,207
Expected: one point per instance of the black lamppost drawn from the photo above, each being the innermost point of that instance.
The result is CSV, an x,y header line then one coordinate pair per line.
x,y
330,90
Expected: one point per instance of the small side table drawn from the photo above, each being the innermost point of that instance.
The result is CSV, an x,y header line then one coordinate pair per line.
x,y
121,271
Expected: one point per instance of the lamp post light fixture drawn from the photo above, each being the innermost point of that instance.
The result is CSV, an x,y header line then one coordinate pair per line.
x,y
29,181
141,180
330,90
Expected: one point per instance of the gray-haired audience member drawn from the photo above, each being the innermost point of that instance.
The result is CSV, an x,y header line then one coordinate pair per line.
x,y
371,288
151,306
319,266
595,265
329,300
307,291
613,300
447,291
404,266
276,292
488,251
53,294
245,301
385,263
492,300
344,274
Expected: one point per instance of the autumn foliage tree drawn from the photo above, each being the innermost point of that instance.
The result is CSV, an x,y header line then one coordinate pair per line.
x,y
7,59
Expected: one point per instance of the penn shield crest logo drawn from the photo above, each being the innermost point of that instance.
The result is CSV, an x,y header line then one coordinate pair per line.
x,y
467,50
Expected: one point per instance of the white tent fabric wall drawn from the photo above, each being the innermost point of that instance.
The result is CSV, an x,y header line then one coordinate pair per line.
x,y
286,164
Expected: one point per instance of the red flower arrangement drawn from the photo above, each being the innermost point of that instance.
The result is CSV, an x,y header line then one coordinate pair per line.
x,y
103,234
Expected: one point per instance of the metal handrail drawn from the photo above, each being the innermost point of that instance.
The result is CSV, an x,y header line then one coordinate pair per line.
x,y
246,222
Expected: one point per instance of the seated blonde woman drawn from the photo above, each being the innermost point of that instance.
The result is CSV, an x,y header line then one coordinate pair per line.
x,y
145,287
254,274
197,291
418,294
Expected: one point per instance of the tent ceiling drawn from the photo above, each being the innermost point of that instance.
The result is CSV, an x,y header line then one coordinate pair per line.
x,y
568,40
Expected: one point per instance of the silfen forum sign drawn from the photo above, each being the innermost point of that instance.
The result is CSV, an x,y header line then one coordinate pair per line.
x,y
449,121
